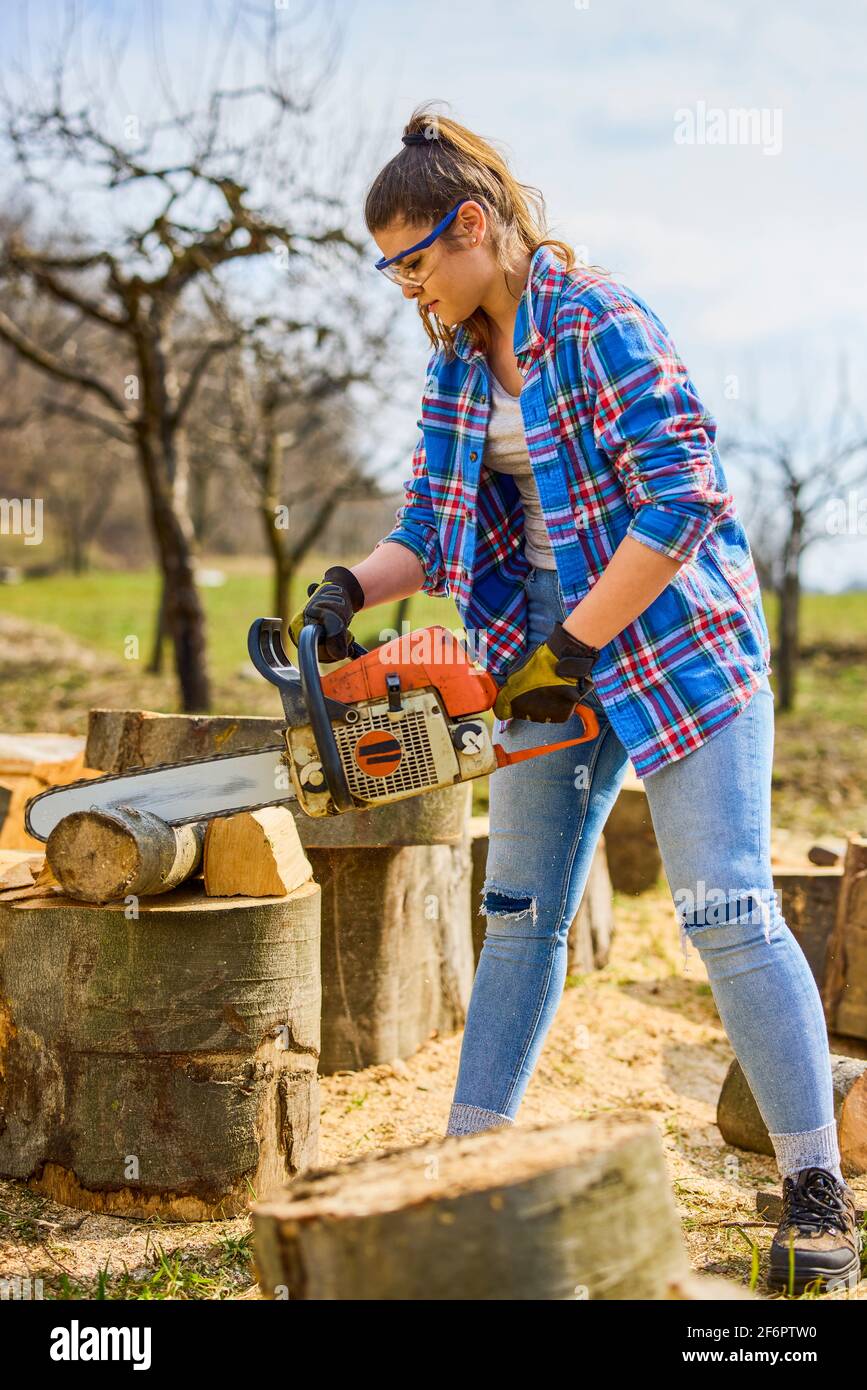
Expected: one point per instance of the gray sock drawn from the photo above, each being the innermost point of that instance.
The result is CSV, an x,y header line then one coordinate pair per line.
x,y
469,1119
811,1148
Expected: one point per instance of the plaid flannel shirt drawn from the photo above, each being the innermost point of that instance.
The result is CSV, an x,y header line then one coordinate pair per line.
x,y
620,445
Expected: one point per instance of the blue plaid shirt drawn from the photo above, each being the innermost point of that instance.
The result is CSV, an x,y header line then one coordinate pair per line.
x,y
620,445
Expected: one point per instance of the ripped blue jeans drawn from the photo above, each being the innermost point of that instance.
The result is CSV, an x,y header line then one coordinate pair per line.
x,y
711,812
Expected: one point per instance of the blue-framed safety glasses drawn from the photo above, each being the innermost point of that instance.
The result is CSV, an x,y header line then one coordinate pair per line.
x,y
400,277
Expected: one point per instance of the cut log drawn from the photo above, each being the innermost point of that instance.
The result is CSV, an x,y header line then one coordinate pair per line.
x,y
121,739
845,989
828,851
98,856
254,854
582,1210
396,949
740,1122
162,1064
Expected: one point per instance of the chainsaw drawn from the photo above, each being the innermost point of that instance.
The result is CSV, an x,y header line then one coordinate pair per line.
x,y
394,722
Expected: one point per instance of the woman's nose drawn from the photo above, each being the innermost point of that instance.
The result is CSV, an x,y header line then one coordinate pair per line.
x,y
410,291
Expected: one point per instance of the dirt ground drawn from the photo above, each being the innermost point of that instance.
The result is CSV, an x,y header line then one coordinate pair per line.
x,y
641,1035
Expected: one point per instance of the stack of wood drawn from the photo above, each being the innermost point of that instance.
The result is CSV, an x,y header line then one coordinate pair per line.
x,y
29,764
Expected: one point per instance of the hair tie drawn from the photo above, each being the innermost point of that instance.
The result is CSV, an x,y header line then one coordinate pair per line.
x,y
416,137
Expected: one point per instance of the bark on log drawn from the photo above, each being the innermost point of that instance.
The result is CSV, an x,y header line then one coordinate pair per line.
x,y
254,854
99,856
845,990
160,1065
740,1122
581,1210
396,949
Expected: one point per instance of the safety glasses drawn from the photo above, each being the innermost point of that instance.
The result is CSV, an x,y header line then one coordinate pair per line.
x,y
401,276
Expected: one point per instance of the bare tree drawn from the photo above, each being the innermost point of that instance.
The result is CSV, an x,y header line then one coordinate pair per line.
x,y
801,479
192,215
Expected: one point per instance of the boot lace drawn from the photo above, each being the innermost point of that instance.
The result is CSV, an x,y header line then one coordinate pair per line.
x,y
815,1202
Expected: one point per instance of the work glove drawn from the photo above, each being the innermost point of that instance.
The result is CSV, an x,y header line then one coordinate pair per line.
x,y
550,681
333,602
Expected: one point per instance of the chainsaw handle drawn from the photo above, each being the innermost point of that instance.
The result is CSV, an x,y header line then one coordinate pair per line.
x,y
319,717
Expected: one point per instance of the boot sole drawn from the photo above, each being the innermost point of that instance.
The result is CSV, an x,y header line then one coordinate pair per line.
x,y
778,1274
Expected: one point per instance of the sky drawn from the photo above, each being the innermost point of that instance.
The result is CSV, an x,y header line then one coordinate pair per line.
x,y
750,245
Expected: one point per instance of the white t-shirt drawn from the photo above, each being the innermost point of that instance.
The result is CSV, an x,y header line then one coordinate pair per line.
x,y
506,452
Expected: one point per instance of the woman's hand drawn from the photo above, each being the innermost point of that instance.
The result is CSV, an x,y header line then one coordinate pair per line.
x,y
550,681
334,603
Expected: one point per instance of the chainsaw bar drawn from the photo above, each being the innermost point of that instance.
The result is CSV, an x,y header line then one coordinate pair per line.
x,y
195,789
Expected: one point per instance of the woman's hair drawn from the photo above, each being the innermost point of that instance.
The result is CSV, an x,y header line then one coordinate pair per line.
x,y
424,181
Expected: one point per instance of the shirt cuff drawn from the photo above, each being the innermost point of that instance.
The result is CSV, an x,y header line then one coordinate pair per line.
x,y
428,551
668,532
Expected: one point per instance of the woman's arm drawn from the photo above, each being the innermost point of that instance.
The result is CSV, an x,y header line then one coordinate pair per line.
x,y
391,571
634,576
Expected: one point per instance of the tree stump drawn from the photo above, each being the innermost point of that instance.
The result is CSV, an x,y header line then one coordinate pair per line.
x,y
160,1065
740,1122
396,949
845,987
808,897
634,860
580,1210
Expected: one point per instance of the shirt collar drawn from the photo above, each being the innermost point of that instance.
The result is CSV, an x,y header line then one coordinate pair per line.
x,y
535,310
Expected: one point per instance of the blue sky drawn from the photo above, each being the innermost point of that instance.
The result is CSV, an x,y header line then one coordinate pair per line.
x,y
755,260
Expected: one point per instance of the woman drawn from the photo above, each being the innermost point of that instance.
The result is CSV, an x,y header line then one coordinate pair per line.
x,y
566,491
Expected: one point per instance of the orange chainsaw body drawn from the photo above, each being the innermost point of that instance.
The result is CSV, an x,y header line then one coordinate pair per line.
x,y
429,656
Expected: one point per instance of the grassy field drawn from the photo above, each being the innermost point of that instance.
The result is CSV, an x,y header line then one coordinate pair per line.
x,y
49,684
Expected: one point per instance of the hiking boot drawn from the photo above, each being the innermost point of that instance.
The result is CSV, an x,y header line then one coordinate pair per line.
x,y
819,1223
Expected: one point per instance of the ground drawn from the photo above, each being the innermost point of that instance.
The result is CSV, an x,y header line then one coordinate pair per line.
x,y
641,1035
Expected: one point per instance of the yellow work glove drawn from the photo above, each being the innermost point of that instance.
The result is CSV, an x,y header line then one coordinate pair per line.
x,y
333,602
550,681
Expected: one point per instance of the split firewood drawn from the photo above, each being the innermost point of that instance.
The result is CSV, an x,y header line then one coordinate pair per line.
x,y
18,868
827,851
255,854
98,856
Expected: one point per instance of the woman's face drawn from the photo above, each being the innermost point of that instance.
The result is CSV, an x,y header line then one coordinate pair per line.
x,y
455,275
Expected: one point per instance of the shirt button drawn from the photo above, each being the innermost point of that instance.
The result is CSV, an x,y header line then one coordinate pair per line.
x,y
483,399
473,456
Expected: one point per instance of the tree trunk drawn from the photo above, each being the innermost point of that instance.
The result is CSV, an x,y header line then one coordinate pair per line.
x,y
155,664
184,615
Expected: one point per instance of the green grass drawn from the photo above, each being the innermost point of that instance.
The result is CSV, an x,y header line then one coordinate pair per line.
x,y
104,608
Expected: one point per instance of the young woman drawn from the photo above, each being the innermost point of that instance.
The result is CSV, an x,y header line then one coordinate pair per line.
x,y
567,492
